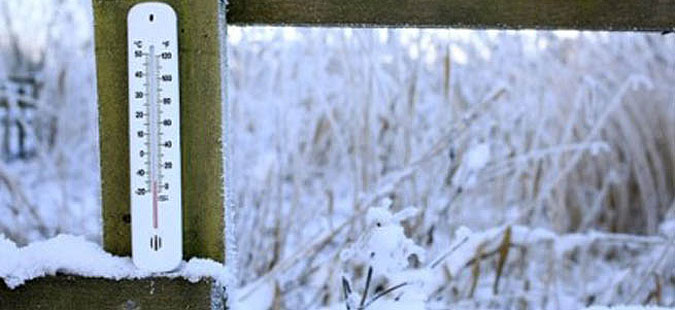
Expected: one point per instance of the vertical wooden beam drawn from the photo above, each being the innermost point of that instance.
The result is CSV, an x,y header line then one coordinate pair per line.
x,y
200,92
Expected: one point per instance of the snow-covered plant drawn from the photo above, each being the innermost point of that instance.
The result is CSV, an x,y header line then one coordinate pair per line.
x,y
382,268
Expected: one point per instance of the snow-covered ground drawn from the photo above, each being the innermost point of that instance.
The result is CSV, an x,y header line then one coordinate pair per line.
x,y
430,169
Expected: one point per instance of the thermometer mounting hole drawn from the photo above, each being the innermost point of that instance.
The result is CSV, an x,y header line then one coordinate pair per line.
x,y
152,17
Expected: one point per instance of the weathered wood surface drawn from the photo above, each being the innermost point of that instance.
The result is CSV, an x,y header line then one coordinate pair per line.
x,y
645,15
77,293
200,76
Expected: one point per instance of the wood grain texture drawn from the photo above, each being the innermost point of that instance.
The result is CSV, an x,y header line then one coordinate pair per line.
x,y
642,15
201,151
77,293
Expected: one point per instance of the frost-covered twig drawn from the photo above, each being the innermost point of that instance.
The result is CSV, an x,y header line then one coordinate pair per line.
x,y
294,259
21,201
369,277
652,269
617,100
445,255
346,291
383,189
383,293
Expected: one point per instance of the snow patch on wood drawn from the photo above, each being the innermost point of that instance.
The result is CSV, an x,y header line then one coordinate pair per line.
x,y
73,255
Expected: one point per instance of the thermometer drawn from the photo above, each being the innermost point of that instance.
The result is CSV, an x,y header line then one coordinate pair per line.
x,y
154,137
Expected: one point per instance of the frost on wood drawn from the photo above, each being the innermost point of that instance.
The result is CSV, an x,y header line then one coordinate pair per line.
x,y
74,255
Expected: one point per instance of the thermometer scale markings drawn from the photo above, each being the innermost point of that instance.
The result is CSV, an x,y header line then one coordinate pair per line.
x,y
154,137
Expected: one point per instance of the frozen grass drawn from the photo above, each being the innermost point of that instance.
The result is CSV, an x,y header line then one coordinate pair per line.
x,y
58,191
570,132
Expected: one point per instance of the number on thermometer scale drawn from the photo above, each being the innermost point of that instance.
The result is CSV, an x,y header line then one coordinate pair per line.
x,y
154,137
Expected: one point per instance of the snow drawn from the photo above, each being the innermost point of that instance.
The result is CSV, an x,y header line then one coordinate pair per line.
x,y
261,299
667,228
73,255
628,308
478,156
386,249
475,160
385,245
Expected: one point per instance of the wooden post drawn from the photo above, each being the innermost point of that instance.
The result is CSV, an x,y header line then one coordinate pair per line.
x,y
74,293
201,130
201,92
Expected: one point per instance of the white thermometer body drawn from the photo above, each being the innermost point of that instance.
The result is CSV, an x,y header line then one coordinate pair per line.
x,y
154,137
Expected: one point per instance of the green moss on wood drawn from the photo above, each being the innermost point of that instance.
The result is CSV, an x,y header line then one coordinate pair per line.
x,y
203,206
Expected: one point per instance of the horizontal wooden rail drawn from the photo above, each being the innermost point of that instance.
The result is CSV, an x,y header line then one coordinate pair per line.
x,y
75,293
631,15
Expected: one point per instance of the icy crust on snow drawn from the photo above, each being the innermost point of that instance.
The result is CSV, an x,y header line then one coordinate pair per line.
x,y
74,255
